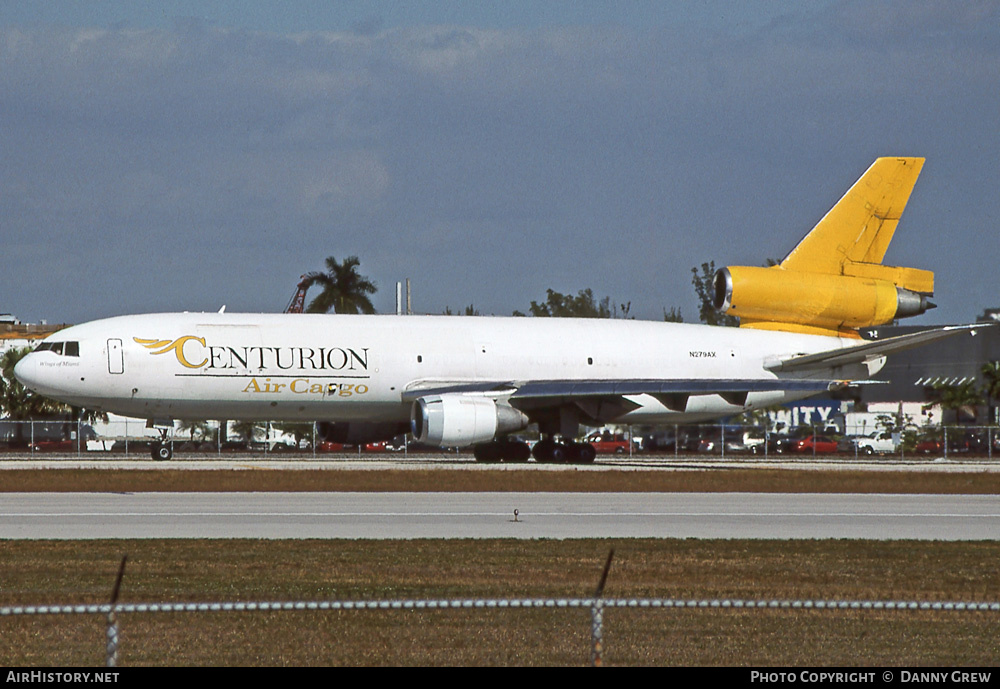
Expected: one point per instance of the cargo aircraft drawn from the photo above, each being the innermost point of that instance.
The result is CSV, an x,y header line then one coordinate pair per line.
x,y
460,381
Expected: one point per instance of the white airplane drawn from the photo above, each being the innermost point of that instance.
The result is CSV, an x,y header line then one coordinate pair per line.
x,y
459,381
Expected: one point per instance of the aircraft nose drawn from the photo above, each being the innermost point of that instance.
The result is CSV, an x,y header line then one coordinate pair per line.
x,y
26,371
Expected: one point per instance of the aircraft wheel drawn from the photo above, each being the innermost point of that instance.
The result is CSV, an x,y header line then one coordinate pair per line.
x,y
560,453
542,452
161,452
487,452
585,453
515,452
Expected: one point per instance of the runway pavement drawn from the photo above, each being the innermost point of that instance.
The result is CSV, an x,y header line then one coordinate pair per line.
x,y
492,515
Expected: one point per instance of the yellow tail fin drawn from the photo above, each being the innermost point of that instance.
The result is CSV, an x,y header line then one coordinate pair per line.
x,y
853,236
833,281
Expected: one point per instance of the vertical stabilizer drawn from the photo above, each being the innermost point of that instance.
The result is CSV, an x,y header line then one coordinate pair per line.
x,y
833,281
860,226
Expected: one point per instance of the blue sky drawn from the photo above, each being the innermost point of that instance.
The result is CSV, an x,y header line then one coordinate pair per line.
x,y
181,156
293,16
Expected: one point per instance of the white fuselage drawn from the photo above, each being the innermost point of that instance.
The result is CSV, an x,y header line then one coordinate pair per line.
x,y
357,368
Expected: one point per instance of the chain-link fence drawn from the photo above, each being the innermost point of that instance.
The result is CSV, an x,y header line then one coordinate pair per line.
x,y
133,438
113,613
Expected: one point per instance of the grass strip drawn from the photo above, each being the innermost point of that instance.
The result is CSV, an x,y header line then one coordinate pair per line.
x,y
519,480
213,570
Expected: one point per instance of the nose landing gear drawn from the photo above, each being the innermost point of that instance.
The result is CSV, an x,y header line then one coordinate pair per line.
x,y
162,449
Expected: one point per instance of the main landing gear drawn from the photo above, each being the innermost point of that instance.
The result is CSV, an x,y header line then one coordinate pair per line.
x,y
547,450
502,451
162,449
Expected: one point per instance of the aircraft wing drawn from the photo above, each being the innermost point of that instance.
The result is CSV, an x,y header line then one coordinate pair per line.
x,y
609,396
871,350
536,389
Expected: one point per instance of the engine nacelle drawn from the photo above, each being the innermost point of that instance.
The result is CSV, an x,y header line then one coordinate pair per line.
x,y
773,295
353,433
456,420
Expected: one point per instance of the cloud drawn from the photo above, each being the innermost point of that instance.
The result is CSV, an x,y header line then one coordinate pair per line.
x,y
487,165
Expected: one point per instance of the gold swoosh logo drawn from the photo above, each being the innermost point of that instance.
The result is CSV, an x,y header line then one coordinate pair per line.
x,y
175,346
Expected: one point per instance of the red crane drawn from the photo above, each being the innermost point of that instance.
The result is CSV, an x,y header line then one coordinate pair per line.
x,y
298,301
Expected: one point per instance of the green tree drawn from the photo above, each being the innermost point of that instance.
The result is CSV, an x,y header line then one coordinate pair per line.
x,y
991,386
961,399
300,430
344,289
704,287
673,316
18,402
470,310
583,305
248,431
196,430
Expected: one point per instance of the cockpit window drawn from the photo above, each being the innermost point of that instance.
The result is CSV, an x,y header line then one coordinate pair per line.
x,y
60,348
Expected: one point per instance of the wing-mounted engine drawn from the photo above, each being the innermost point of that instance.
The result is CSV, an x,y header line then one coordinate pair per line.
x,y
458,420
833,281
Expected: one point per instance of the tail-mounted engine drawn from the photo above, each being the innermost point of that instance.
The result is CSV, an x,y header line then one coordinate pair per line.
x,y
774,298
456,420
833,281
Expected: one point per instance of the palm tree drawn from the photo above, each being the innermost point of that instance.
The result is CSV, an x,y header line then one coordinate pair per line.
x,y
248,431
991,386
962,399
344,289
18,402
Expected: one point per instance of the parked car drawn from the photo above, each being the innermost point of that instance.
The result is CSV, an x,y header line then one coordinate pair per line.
x,y
713,445
873,443
54,446
607,443
816,444
754,442
659,441
957,442
327,446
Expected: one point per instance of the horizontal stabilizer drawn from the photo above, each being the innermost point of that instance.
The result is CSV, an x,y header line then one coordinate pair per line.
x,y
869,351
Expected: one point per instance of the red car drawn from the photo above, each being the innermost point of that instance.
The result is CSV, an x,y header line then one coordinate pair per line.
x,y
54,446
608,443
327,446
816,444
